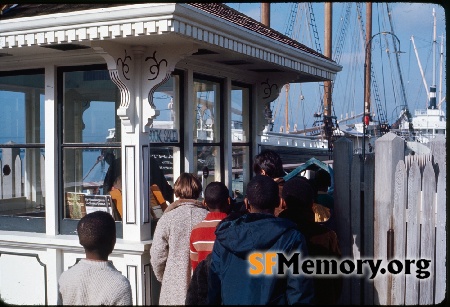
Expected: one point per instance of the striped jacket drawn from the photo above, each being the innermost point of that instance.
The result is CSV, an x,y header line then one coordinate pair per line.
x,y
203,237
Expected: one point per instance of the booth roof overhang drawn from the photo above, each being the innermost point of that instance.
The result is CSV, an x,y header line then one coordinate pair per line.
x,y
223,37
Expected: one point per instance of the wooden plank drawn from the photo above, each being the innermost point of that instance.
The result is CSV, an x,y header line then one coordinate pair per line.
x,y
439,153
342,156
389,150
427,243
368,218
412,232
355,226
399,226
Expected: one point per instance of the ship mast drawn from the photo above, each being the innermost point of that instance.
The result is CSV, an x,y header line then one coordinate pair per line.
x,y
440,72
328,11
433,84
286,108
368,63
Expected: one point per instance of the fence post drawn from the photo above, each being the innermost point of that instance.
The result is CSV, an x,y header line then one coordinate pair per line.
x,y
342,159
389,150
367,223
438,150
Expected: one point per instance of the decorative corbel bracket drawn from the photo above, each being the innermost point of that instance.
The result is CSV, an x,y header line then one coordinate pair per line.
x,y
159,63
269,90
119,59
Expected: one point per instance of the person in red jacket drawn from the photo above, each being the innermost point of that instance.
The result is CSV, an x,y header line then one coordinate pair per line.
x,y
217,200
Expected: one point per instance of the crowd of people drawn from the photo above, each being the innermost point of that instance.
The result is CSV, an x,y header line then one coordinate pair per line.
x,y
200,249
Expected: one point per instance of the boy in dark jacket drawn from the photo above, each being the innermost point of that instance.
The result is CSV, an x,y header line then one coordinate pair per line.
x,y
240,235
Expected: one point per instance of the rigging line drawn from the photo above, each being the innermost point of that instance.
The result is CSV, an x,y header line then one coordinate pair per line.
x,y
311,27
352,68
382,119
342,35
397,58
380,9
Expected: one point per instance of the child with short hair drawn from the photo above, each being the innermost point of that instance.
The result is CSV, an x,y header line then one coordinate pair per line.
x,y
94,280
217,200
229,281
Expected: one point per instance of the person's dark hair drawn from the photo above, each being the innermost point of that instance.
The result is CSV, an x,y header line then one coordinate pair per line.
x,y
187,186
97,232
216,195
298,193
263,193
269,161
322,179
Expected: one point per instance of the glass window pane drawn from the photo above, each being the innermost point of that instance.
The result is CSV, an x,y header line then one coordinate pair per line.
x,y
206,102
241,171
240,101
207,163
90,104
22,182
22,104
167,101
164,170
89,172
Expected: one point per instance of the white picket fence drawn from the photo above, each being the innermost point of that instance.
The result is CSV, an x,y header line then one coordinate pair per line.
x,y
402,217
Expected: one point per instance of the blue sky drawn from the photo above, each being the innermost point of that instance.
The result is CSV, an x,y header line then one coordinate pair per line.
x,y
409,19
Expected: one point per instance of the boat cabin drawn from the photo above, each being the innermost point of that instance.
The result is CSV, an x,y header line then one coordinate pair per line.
x,y
94,91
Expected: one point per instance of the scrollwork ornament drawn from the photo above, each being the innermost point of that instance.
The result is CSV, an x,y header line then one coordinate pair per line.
x,y
125,66
155,69
268,88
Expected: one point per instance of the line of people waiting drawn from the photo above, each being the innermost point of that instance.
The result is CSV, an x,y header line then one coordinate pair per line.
x,y
276,216
200,249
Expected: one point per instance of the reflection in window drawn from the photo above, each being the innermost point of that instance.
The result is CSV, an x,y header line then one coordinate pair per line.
x,y
206,103
166,99
207,162
240,134
22,155
164,136
91,143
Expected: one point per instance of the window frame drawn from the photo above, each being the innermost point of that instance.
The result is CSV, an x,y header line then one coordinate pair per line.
x,y
180,143
67,225
221,143
249,136
24,223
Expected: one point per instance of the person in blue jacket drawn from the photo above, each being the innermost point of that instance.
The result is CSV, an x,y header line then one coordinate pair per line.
x,y
242,234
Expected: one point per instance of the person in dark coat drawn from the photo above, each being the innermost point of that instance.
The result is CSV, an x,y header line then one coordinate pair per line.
x,y
197,293
240,235
322,242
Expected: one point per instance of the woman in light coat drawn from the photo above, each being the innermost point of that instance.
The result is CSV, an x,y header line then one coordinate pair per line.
x,y
169,253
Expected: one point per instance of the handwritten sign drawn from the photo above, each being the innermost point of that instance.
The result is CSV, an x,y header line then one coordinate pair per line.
x,y
163,135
